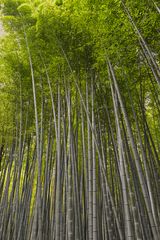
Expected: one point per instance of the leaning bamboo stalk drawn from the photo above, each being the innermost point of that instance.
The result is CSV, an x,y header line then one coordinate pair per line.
x,y
94,170
156,6
58,167
37,140
90,210
143,41
70,192
129,234
136,155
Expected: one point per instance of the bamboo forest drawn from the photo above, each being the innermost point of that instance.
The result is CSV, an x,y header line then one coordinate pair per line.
x,y
79,120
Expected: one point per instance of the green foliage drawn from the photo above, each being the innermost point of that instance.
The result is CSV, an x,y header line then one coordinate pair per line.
x,y
88,32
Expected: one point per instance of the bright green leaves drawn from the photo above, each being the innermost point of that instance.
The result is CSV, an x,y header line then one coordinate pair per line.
x,y
10,7
59,2
86,32
25,9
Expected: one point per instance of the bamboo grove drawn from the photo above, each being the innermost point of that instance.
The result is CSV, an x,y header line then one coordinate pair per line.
x,y
79,120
